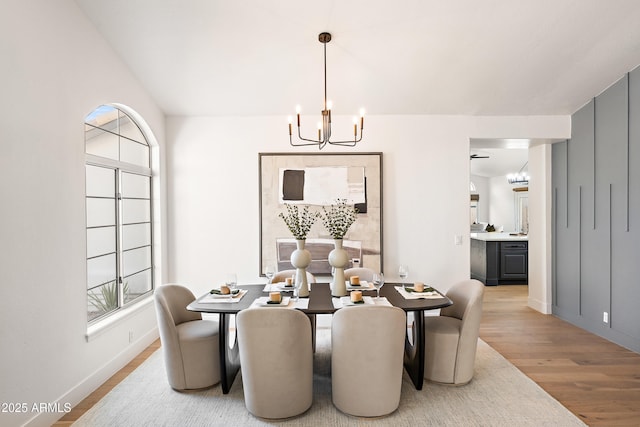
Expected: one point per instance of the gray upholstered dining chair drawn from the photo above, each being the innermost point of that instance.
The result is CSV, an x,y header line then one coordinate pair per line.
x,y
190,345
367,359
276,361
451,339
362,272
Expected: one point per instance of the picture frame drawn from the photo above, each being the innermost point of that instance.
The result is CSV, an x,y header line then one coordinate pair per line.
x,y
317,180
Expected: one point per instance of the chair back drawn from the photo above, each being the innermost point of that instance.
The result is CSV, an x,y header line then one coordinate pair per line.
x,y
172,301
276,358
467,302
367,359
362,272
280,276
467,306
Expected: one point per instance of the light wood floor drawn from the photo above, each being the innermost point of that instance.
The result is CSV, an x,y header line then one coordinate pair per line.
x,y
596,380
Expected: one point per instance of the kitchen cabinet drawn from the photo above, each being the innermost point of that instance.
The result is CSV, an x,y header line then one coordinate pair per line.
x,y
513,261
499,259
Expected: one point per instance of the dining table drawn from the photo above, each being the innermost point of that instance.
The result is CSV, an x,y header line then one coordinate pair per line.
x,y
320,302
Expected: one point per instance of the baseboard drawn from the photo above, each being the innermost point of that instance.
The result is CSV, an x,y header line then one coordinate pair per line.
x,y
541,306
87,386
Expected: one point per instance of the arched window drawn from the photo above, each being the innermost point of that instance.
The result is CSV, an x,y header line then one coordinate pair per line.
x,y
119,212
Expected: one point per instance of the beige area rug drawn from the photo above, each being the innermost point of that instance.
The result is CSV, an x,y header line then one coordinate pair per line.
x,y
499,395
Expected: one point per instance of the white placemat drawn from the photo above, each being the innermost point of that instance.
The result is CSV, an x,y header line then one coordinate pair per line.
x,y
302,303
338,303
217,299
364,286
277,287
262,302
418,295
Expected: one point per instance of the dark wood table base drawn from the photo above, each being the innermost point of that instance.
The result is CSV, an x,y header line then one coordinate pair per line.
x,y
414,352
229,354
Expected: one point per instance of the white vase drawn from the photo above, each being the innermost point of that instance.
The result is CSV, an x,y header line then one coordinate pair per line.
x,y
339,259
300,259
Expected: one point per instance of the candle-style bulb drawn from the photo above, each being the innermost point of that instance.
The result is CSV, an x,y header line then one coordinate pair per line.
x,y
329,105
297,109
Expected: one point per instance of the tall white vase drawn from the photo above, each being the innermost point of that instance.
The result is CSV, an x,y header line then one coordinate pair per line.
x,y
300,259
339,259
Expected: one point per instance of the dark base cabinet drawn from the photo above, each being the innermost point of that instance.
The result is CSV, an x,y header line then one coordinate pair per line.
x,y
498,262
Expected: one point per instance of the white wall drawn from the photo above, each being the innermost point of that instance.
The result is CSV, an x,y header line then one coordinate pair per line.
x,y
502,203
540,236
482,188
213,187
55,70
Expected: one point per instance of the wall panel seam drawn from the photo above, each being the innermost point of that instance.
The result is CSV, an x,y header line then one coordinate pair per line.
x,y
566,181
580,250
593,153
610,250
628,144
554,265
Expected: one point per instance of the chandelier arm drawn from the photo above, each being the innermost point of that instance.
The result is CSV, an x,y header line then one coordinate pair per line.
x,y
347,143
317,141
311,142
321,144
303,145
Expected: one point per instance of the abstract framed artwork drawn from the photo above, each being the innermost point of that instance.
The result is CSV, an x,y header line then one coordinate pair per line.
x,y
319,180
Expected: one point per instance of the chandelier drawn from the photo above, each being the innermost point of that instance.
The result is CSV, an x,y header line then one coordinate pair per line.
x,y
324,127
519,178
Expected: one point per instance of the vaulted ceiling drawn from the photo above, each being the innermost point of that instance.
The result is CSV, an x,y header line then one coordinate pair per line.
x,y
477,57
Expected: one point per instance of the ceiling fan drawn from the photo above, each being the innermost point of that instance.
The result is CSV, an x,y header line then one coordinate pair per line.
x,y
476,156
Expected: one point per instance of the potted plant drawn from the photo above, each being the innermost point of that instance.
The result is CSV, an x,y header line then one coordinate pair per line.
x,y
299,223
337,219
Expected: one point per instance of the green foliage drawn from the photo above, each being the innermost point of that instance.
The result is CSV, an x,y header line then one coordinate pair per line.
x,y
107,299
338,218
299,223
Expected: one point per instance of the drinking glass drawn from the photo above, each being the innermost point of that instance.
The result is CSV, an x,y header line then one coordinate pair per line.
x,y
378,281
297,284
231,281
403,272
269,271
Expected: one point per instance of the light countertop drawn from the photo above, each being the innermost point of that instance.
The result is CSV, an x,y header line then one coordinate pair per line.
x,y
498,237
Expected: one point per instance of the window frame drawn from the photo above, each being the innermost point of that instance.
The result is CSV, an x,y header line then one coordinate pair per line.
x,y
121,168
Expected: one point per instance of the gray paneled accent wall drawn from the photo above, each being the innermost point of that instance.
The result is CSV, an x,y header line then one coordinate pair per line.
x,y
596,216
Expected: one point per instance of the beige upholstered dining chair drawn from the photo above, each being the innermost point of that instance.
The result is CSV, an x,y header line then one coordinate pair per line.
x,y
367,359
280,276
451,339
276,361
190,345
363,272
